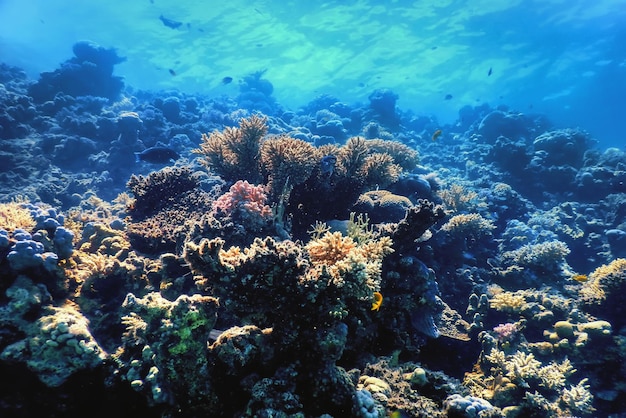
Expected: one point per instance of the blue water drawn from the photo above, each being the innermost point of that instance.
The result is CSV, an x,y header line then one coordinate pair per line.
x,y
531,209
562,58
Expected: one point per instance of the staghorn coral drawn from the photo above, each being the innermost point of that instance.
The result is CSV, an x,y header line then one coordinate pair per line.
x,y
286,162
234,152
402,155
379,170
458,198
532,261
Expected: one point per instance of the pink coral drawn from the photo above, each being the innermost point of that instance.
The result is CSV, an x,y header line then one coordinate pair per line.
x,y
245,200
506,332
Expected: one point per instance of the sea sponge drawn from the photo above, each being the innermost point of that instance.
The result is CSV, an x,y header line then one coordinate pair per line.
x,y
286,162
234,152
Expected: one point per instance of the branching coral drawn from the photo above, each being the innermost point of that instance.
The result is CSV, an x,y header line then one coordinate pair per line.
x,y
603,293
471,224
234,152
459,198
402,154
546,257
286,162
14,215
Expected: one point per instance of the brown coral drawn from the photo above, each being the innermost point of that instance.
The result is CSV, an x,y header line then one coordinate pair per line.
x,y
234,152
286,162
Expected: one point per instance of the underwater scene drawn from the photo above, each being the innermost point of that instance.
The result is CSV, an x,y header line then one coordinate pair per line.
x,y
313,209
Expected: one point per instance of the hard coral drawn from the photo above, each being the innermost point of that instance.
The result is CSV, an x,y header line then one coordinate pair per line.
x,y
286,162
603,293
233,153
14,215
159,189
244,202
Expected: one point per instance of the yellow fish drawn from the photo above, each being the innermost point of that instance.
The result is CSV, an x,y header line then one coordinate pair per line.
x,y
580,278
437,134
378,300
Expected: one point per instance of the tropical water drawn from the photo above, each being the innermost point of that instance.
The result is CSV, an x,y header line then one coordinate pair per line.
x,y
562,58
312,209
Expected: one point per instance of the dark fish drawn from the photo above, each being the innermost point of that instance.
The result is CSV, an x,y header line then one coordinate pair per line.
x,y
436,134
490,71
170,23
433,48
361,84
327,164
227,80
448,97
157,155
172,72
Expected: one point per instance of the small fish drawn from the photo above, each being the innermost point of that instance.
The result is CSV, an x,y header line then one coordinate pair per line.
x,y
227,80
170,23
156,155
172,72
327,164
447,97
378,300
490,71
437,134
580,278
399,413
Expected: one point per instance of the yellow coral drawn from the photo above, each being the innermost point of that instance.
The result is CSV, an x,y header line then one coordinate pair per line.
x,y
604,280
468,224
512,302
458,198
14,216
341,258
330,248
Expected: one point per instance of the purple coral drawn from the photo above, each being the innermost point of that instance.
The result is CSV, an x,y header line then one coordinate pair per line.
x,y
506,332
